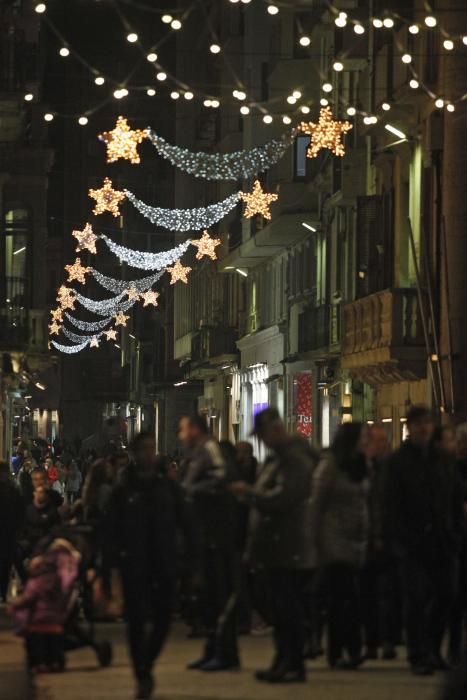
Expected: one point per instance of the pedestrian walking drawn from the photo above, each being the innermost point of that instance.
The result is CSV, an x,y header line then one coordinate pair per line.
x,y
340,530
281,539
424,518
73,482
144,514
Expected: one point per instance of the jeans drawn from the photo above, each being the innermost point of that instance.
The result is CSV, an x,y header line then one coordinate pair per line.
x,y
148,612
430,593
286,589
343,605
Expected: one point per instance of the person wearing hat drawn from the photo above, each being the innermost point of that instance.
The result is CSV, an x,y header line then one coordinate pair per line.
x,y
280,540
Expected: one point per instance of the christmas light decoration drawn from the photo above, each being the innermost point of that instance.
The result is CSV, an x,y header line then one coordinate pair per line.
x,y
86,239
94,342
185,219
77,271
118,286
178,273
75,337
146,261
133,294
70,349
90,326
122,141
54,328
57,315
107,199
150,297
206,246
111,334
258,201
224,166
121,319
104,307
326,133
67,301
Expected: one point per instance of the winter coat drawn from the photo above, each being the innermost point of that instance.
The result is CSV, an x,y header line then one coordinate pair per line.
x,y
144,516
205,485
46,597
423,504
39,522
280,529
339,515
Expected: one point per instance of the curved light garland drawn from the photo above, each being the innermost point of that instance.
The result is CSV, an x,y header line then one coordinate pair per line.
x,y
118,286
224,166
185,219
77,339
143,260
70,349
105,307
90,326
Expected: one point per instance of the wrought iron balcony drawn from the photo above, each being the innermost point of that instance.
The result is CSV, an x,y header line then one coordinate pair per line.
x,y
383,337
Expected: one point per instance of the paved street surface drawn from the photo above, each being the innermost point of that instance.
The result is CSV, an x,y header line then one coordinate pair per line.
x,y
83,681
13,679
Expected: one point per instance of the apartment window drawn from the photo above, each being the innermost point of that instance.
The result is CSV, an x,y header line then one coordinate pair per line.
x,y
16,229
301,146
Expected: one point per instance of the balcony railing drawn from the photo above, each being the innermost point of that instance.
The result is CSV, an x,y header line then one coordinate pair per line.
x,y
213,342
383,336
314,328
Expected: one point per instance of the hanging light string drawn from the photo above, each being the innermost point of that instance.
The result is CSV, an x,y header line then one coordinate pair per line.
x,y
88,325
70,349
118,286
224,166
143,260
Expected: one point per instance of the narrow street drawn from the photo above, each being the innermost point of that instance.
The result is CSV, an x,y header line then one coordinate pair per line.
x,y
376,681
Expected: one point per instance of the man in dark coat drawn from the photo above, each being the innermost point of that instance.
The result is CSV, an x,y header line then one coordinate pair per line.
x,y
423,521
281,538
11,515
207,474
145,512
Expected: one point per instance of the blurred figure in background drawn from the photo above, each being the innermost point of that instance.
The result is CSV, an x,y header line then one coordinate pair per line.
x,y
340,529
73,482
423,513
11,516
280,539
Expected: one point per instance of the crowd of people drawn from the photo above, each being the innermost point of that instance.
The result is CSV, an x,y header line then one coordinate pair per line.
x,y
353,552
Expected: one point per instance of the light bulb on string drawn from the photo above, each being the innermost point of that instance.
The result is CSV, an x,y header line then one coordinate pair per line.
x,y
341,20
99,80
338,66
377,23
40,8
414,84
244,110
286,120
176,24
450,107
166,19
174,95
431,21
297,94
327,87
273,9
48,117
388,23
464,40
64,52
351,111
448,44
215,104
207,103
406,58
132,37
304,41
151,57
359,29
439,103
267,119
82,121
386,106
150,92
414,29
28,97
324,102
291,100
161,76
215,48
188,95
304,109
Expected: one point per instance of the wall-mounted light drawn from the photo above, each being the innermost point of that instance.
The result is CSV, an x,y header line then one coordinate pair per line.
x,y
393,130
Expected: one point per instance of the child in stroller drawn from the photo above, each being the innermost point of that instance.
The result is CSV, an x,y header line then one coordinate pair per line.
x,y
40,613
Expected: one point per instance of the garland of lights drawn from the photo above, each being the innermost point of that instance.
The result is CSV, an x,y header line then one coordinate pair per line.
x,y
143,260
105,307
118,286
70,349
185,219
77,339
88,325
224,166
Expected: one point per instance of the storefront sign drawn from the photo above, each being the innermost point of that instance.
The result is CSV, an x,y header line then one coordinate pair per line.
x,y
304,403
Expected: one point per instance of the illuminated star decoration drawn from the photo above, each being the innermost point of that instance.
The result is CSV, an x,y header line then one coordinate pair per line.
x,y
94,342
206,246
326,133
133,294
86,239
122,142
57,314
66,298
178,273
121,319
77,271
258,201
111,334
54,328
150,297
107,199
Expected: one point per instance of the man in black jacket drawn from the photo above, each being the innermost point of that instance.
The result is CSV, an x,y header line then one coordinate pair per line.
x,y
423,520
145,512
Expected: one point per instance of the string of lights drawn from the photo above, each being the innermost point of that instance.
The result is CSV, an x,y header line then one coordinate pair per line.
x,y
88,325
223,166
105,307
118,286
77,338
185,219
70,349
143,260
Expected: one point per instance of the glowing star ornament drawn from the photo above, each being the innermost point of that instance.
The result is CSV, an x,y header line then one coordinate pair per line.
x,y
133,294
206,246
150,297
122,141
111,334
258,201
57,315
107,199
54,328
94,342
178,273
66,298
77,271
86,239
326,133
121,319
